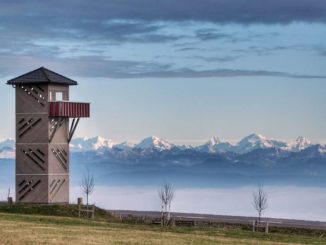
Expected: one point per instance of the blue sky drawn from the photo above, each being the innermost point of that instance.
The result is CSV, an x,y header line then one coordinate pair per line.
x,y
184,70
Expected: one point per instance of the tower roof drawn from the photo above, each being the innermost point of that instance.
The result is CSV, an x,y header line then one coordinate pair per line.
x,y
42,76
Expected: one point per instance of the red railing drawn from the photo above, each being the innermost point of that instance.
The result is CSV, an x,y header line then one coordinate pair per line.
x,y
68,109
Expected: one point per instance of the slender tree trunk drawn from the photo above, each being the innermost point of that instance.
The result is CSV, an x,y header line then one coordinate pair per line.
x,y
259,218
162,216
169,213
87,206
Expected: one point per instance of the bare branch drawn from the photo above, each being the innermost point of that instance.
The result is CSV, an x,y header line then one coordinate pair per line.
x,y
166,195
87,184
260,200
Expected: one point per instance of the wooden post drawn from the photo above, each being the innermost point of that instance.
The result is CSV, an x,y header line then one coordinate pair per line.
x,y
88,210
253,226
10,202
266,228
80,201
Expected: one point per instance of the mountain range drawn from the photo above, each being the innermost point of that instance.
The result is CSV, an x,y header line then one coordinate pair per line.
x,y
214,145
153,143
253,159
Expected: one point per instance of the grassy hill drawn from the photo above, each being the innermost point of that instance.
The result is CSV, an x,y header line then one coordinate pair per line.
x,y
70,210
58,225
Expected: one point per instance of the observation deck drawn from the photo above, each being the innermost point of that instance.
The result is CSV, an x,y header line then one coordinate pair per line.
x,y
69,109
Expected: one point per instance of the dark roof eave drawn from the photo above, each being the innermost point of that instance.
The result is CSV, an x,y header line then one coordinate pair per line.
x,y
40,82
63,80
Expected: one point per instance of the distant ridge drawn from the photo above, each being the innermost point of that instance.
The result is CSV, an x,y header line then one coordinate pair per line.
x,y
253,159
213,145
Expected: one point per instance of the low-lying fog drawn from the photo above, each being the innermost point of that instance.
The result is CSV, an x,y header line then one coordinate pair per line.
x,y
308,203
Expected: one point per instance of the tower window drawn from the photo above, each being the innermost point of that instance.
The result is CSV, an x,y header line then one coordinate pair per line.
x,y
56,96
59,96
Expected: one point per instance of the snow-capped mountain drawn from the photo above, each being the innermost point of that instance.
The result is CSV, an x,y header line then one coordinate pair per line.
x,y
9,143
247,144
253,159
299,144
99,143
124,146
90,144
253,142
7,149
322,149
153,158
154,142
214,145
214,141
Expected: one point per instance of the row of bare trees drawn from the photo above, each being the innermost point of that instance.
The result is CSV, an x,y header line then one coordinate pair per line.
x,y
166,196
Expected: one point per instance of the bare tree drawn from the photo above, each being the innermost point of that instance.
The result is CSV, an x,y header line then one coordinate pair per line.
x,y
166,195
260,201
87,184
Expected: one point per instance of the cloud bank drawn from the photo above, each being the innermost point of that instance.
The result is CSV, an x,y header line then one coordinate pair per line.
x,y
119,69
48,33
223,11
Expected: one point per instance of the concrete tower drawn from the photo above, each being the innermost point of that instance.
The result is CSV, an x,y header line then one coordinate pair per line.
x,y
43,133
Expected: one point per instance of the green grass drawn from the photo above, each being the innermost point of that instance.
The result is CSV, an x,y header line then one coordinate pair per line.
x,y
39,224
52,210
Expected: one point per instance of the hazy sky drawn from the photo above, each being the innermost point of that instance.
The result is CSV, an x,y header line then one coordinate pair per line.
x,y
184,70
